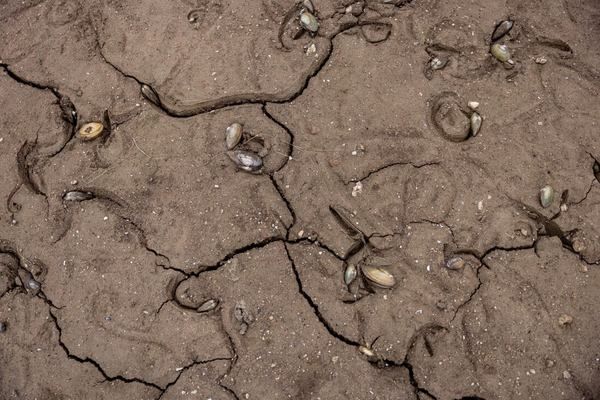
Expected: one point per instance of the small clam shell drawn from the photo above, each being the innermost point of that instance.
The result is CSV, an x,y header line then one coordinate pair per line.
x,y
246,160
455,263
91,130
379,276
233,134
208,305
77,195
501,52
309,22
476,121
350,274
502,29
546,196
150,95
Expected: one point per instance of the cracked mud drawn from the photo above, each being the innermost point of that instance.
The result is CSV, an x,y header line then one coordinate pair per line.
x,y
169,273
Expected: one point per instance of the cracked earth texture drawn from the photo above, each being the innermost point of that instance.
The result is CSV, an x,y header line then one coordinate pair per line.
x,y
349,127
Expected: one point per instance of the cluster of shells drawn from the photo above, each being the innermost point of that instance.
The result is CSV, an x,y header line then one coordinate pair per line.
x,y
499,50
245,159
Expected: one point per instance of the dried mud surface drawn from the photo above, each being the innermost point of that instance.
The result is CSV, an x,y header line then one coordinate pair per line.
x,y
349,122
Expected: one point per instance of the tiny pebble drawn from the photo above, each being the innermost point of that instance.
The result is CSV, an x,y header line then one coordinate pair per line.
x,y
541,60
473,105
565,319
74,182
566,374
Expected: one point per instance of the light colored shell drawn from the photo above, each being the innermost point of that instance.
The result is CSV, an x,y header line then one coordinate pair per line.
x,y
455,263
438,63
309,22
233,134
546,196
366,351
91,130
378,276
501,52
476,121
77,195
246,160
208,305
309,6
350,274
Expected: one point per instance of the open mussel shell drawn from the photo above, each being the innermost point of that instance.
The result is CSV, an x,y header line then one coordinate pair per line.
x,y
350,274
378,276
546,196
502,29
309,22
501,52
91,130
246,160
233,135
476,121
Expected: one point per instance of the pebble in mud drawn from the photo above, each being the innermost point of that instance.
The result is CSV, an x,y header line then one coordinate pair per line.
x,y
565,319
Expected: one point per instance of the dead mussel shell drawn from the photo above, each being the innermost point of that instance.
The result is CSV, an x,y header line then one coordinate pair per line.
x,y
77,195
246,160
233,135
91,130
455,263
501,52
350,274
476,121
378,276
150,95
208,305
502,29
546,196
309,22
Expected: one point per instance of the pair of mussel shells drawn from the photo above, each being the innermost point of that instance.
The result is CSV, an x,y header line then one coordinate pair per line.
x,y
377,276
245,160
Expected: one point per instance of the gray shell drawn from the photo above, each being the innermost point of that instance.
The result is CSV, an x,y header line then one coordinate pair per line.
x,y
309,22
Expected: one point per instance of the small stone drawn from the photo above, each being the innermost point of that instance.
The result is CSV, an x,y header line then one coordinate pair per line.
x,y
524,232
473,105
566,374
300,233
565,319
334,359
564,208
578,245
74,182
357,189
311,49
550,363
541,60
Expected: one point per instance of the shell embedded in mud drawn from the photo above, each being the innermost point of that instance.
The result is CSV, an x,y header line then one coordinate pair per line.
x,y
501,52
476,121
309,22
455,263
208,305
438,63
233,135
91,130
378,276
77,195
308,5
502,29
150,95
546,196
246,160
350,274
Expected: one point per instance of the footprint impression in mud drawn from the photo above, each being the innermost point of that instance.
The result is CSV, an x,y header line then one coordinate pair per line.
x,y
452,120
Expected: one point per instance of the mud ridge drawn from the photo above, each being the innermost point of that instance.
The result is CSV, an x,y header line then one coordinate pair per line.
x,y
414,165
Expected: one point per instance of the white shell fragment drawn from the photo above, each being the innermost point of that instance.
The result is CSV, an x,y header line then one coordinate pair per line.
x,y
233,135
476,121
